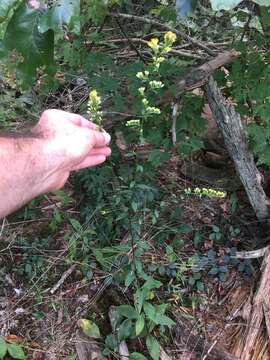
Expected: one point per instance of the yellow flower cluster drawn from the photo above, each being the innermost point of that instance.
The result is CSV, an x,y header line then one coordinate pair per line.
x,y
93,105
211,193
153,44
170,37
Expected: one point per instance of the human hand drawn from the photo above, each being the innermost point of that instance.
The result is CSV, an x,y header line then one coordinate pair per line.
x,y
69,143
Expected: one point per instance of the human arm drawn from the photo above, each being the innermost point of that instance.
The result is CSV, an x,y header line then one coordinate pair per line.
x,y
41,161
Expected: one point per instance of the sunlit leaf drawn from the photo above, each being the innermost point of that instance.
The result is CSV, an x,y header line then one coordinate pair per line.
x,y
89,328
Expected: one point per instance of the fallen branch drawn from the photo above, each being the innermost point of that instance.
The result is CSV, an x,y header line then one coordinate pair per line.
x,y
146,20
254,254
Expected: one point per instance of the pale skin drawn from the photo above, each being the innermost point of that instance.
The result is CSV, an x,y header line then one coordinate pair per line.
x,y
41,161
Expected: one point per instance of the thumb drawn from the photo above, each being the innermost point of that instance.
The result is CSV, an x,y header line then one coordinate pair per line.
x,y
100,139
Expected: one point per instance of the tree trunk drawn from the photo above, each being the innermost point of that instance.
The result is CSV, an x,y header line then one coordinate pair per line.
x,y
235,138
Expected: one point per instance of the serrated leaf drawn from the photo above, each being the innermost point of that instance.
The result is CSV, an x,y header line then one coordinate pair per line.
x,y
153,347
139,325
89,328
3,348
63,12
137,356
127,311
36,48
15,351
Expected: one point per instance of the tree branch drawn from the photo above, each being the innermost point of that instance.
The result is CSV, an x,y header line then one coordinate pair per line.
x,y
166,27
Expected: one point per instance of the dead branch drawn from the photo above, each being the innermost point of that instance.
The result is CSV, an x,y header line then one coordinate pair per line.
x,y
254,254
183,35
63,278
236,141
199,76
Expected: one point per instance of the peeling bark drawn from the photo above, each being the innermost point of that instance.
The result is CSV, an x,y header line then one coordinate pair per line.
x,y
236,141
259,311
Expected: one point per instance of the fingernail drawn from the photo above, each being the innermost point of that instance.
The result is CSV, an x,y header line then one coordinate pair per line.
x,y
107,138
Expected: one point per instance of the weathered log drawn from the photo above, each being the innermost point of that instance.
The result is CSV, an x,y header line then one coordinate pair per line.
x,y
236,141
87,348
259,311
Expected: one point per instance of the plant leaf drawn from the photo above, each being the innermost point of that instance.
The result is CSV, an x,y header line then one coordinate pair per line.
x,y
3,348
163,320
137,356
127,311
15,351
125,330
36,48
153,347
150,311
89,328
139,325
63,12
5,7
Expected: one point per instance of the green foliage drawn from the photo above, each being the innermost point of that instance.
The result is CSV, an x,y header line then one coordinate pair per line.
x,y
141,319
251,92
35,47
62,13
5,7
15,351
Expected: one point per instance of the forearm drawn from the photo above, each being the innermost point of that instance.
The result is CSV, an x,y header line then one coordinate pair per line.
x,y
19,171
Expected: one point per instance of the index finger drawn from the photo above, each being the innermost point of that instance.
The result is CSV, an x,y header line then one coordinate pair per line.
x,y
81,121
99,139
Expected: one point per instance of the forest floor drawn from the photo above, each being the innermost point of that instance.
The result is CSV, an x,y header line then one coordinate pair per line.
x,y
42,313
44,293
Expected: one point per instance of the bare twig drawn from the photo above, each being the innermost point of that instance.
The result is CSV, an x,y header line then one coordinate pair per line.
x,y
229,319
174,118
129,40
167,27
63,278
